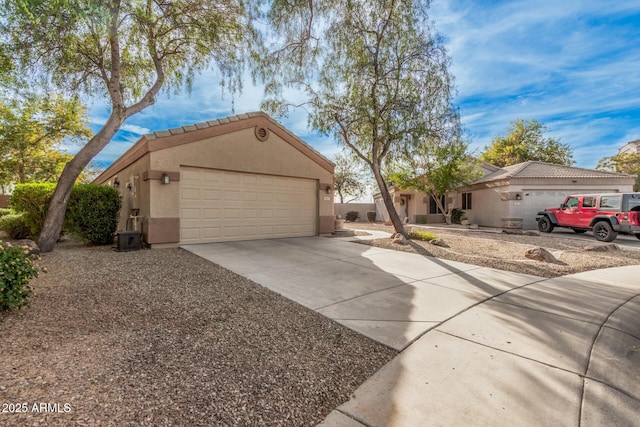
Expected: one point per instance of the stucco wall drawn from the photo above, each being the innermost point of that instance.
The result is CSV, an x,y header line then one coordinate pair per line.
x,y
135,197
362,209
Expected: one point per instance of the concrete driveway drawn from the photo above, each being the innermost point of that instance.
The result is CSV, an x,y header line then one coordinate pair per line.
x,y
478,346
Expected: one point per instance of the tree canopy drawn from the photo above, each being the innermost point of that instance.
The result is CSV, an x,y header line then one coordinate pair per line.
x,y
628,163
524,141
32,130
350,180
125,51
439,168
384,86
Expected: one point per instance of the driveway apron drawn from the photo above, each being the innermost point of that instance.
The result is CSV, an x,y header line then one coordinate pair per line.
x,y
478,346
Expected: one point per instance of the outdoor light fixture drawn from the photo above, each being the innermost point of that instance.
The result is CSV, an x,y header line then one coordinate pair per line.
x,y
116,183
328,189
518,196
165,179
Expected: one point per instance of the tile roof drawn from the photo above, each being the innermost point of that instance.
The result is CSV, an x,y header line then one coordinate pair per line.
x,y
533,169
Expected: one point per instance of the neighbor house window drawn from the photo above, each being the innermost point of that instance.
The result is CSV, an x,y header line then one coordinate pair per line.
x,y
433,207
466,201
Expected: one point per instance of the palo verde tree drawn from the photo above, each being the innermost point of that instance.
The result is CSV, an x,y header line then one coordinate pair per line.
x,y
526,141
32,130
383,84
126,51
438,168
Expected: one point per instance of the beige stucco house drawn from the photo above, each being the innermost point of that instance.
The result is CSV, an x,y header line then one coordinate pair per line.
x,y
238,178
513,195
417,207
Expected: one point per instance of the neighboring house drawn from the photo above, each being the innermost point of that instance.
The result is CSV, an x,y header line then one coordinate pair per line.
x,y
417,207
238,178
632,147
511,196
516,193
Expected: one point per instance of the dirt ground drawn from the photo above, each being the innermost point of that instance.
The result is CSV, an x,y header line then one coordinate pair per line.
x,y
507,251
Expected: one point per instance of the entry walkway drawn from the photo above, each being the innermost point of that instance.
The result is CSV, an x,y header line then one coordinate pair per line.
x,y
478,346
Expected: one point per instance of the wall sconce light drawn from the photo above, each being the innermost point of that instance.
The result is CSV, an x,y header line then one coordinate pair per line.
x,y
165,179
328,189
116,183
129,186
518,196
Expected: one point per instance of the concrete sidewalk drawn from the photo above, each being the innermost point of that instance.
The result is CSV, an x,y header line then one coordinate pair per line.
x,y
479,346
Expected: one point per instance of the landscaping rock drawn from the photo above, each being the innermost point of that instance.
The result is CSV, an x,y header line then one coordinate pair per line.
x,y
512,231
31,246
439,242
399,239
609,247
531,233
540,254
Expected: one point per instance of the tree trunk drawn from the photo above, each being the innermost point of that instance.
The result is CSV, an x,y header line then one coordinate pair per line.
x,y
388,203
55,214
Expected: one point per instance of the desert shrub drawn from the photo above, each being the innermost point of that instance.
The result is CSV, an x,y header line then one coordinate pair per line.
x,y
352,216
456,215
422,235
371,216
93,212
15,226
5,211
16,269
32,201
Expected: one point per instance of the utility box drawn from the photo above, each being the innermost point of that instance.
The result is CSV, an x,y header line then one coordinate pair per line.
x,y
128,241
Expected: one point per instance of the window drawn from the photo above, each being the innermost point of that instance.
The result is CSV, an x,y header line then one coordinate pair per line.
x,y
433,207
610,202
572,202
589,202
466,201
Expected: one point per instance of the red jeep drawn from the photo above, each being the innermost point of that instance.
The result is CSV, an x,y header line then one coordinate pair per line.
x,y
605,214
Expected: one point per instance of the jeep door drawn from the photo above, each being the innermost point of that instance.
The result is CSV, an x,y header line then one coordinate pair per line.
x,y
566,215
588,209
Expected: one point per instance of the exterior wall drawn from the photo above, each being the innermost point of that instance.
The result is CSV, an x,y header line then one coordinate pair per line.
x,y
237,151
362,209
630,148
417,208
520,198
134,192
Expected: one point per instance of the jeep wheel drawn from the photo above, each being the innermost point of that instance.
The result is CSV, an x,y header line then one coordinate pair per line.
x,y
545,225
603,232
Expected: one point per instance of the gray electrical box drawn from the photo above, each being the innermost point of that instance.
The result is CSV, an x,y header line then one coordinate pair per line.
x,y
128,241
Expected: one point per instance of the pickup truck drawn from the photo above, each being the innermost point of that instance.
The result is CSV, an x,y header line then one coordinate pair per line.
x,y
604,214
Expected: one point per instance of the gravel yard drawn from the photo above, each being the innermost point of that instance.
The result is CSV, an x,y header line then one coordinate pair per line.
x,y
506,251
162,337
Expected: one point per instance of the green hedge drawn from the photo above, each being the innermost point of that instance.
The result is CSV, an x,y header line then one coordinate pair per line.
x,y
16,269
5,211
32,201
15,226
93,213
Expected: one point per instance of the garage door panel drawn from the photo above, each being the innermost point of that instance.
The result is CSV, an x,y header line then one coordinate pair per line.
x,y
221,205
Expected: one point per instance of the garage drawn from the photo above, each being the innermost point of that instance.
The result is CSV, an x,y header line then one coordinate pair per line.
x,y
242,177
219,206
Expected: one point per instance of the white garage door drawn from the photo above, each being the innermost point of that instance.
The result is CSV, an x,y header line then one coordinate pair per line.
x,y
536,201
218,206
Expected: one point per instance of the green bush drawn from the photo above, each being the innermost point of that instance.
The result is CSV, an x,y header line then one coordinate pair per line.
x,y
93,212
5,211
422,235
352,216
15,226
32,201
456,215
16,269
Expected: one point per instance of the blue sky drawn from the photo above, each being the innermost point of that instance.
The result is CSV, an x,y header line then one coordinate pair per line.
x,y
573,65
